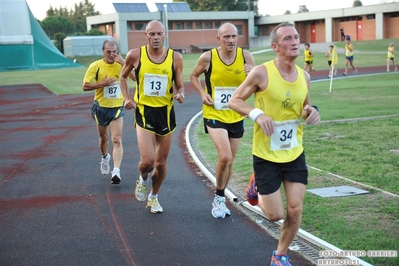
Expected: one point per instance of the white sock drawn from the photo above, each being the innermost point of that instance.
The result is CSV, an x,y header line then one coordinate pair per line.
x,y
150,195
143,181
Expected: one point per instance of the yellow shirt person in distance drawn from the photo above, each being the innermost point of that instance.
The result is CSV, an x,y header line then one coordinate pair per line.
x,y
391,57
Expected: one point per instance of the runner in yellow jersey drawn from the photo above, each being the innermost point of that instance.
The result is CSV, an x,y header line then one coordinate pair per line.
x,y
107,110
224,67
308,55
329,56
281,99
349,55
391,57
159,81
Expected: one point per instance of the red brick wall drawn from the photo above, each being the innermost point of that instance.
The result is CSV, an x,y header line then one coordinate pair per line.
x,y
391,27
368,28
185,39
320,31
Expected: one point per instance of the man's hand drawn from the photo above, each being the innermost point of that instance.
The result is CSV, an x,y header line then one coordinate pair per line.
x,y
130,104
179,97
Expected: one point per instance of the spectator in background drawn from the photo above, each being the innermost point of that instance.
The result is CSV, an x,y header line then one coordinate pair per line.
x,y
342,35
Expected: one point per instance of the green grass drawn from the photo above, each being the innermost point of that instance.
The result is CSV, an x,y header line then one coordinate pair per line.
x,y
69,81
364,149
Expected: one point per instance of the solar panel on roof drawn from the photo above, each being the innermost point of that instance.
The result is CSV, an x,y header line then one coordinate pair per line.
x,y
174,7
133,7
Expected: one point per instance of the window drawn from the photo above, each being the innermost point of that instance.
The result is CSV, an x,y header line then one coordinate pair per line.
x,y
139,26
198,25
178,26
129,26
239,29
217,25
370,17
207,25
189,25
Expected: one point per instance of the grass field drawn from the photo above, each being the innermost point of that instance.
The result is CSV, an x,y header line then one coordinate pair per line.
x,y
365,150
69,80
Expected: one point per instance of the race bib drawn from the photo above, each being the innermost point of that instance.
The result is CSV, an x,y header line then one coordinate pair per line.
x,y
113,91
284,136
155,85
222,96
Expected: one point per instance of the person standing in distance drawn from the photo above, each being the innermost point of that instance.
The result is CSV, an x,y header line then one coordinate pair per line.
x,y
224,67
281,99
349,55
107,110
391,57
158,70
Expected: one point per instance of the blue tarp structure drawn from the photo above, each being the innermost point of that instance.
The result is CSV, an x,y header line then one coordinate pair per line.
x,y
23,43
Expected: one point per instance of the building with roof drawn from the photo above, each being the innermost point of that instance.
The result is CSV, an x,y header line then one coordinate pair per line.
x,y
191,32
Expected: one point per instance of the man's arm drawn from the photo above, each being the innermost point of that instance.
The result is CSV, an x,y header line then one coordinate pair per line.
x,y
256,81
125,73
250,85
201,66
309,112
178,73
249,62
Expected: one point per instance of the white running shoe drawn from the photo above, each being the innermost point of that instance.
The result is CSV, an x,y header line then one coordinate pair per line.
x,y
154,204
335,72
116,176
105,164
219,209
355,72
141,190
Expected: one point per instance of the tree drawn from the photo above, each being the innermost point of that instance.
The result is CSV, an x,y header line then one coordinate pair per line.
x,y
303,9
57,24
287,12
357,3
222,5
77,16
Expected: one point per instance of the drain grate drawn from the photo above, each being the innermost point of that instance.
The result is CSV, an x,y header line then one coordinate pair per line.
x,y
339,191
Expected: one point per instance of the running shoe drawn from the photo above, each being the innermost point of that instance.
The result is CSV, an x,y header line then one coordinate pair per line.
x,y
396,69
355,72
227,211
116,176
251,193
141,190
154,204
219,207
328,76
105,164
344,74
335,72
282,260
